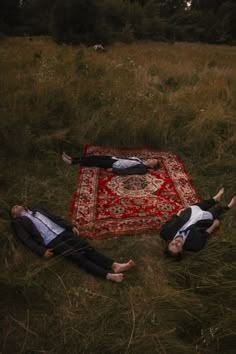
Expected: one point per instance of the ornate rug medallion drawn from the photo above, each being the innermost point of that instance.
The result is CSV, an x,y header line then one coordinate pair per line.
x,y
131,186
107,205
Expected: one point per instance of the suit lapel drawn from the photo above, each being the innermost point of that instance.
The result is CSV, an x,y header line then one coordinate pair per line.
x,y
30,227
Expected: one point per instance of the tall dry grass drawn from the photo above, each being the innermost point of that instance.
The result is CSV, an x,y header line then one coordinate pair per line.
x,y
178,97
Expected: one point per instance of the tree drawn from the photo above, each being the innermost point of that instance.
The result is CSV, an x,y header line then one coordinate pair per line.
x,y
114,13
135,17
75,20
36,16
169,7
218,19
9,14
206,5
152,8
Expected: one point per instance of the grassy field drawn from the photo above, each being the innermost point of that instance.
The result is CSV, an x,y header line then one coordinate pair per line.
x,y
177,97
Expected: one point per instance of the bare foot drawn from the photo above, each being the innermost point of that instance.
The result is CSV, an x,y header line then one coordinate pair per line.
x,y
232,202
121,267
66,158
115,277
219,194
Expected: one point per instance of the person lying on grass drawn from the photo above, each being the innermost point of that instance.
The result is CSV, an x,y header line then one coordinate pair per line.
x,y
116,165
190,228
48,235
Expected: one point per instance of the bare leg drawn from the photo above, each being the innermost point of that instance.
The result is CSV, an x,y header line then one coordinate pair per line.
x,y
218,210
219,194
115,277
121,267
232,202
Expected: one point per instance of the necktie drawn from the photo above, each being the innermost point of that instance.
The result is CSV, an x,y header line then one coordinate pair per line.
x,y
36,217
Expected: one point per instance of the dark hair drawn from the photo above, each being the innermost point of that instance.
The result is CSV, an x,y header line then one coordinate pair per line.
x,y
4,213
10,213
157,166
176,256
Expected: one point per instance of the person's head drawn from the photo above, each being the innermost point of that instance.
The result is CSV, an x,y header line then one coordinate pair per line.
x,y
175,248
16,210
152,163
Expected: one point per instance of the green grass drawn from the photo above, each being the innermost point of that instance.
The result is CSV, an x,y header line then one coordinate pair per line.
x,y
177,97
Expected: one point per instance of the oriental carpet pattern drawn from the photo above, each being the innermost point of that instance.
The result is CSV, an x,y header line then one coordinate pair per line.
x,y
107,205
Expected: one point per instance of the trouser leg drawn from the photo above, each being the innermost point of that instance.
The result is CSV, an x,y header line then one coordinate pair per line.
x,y
68,244
89,266
95,161
218,210
213,207
90,253
76,160
75,249
206,204
99,258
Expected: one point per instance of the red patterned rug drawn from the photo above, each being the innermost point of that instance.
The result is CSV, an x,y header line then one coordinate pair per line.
x,y
106,205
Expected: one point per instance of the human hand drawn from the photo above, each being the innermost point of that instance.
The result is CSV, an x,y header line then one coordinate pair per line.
x,y
216,222
180,211
214,225
75,230
48,253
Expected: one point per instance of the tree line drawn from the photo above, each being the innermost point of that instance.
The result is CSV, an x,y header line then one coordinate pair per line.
x,y
106,21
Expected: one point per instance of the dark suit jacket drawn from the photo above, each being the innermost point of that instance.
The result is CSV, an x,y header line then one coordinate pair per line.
x,y
139,169
197,236
25,230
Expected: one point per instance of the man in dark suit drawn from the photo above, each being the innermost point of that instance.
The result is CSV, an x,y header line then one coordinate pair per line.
x,y
190,228
47,234
116,165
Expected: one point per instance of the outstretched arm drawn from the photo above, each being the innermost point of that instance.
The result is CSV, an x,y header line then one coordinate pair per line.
x,y
26,238
180,211
75,230
215,224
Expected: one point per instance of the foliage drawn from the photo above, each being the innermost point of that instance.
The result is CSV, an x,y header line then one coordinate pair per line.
x,y
177,97
106,21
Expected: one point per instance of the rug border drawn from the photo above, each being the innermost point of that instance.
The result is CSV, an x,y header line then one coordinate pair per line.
x,y
74,195
141,148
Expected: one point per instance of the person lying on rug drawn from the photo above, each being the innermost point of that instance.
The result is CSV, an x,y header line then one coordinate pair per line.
x,y
48,235
190,228
117,165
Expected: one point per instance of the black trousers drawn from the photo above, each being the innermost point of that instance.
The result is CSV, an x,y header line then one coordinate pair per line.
x,y
103,161
79,251
215,208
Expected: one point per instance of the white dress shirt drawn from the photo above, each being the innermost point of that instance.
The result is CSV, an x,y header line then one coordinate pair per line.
x,y
46,227
197,214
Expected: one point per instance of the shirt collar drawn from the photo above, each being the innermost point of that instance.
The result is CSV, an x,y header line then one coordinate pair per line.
x,y
26,212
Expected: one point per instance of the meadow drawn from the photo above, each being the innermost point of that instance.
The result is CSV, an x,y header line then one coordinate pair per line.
x,y
179,97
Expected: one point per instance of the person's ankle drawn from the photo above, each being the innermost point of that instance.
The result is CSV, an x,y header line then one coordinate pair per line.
x,y
232,202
